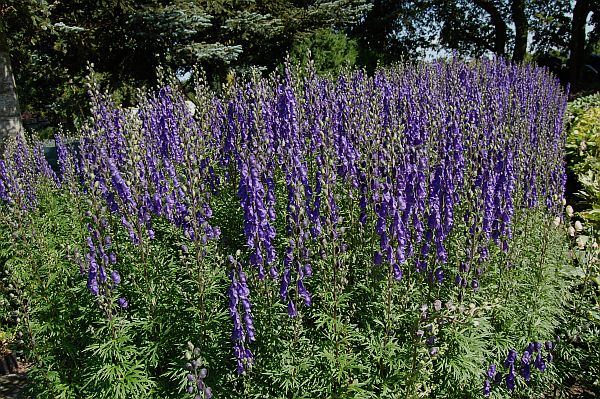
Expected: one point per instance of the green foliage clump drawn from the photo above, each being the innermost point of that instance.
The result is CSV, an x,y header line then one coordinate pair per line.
x,y
377,346
583,155
581,327
328,50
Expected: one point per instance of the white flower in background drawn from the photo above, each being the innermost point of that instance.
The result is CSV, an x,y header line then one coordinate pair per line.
x,y
191,107
578,226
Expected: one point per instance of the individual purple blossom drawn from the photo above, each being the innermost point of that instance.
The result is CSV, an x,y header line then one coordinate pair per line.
x,y
123,304
539,362
498,378
526,372
487,388
510,358
291,309
510,381
303,292
491,372
439,275
116,278
526,358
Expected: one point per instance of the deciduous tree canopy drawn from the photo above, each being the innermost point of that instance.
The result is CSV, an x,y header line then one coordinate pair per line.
x,y
126,40
52,41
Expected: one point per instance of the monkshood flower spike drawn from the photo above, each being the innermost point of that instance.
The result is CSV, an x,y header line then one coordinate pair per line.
x,y
414,164
240,312
196,375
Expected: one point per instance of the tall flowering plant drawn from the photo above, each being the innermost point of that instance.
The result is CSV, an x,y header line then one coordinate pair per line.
x,y
378,223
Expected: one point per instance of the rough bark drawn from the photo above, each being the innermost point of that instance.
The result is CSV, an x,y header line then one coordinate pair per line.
x,y
498,22
521,29
10,114
577,44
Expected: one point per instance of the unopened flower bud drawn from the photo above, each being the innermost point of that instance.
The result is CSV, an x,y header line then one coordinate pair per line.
x,y
569,210
556,221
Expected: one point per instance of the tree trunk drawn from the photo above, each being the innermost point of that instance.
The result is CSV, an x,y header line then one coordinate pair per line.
x,y
577,43
10,115
521,29
499,24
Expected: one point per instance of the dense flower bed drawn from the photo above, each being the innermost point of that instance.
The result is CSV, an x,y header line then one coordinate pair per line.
x,y
385,236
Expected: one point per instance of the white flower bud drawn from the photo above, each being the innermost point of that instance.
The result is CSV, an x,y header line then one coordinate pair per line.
x,y
569,210
556,221
578,226
571,231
